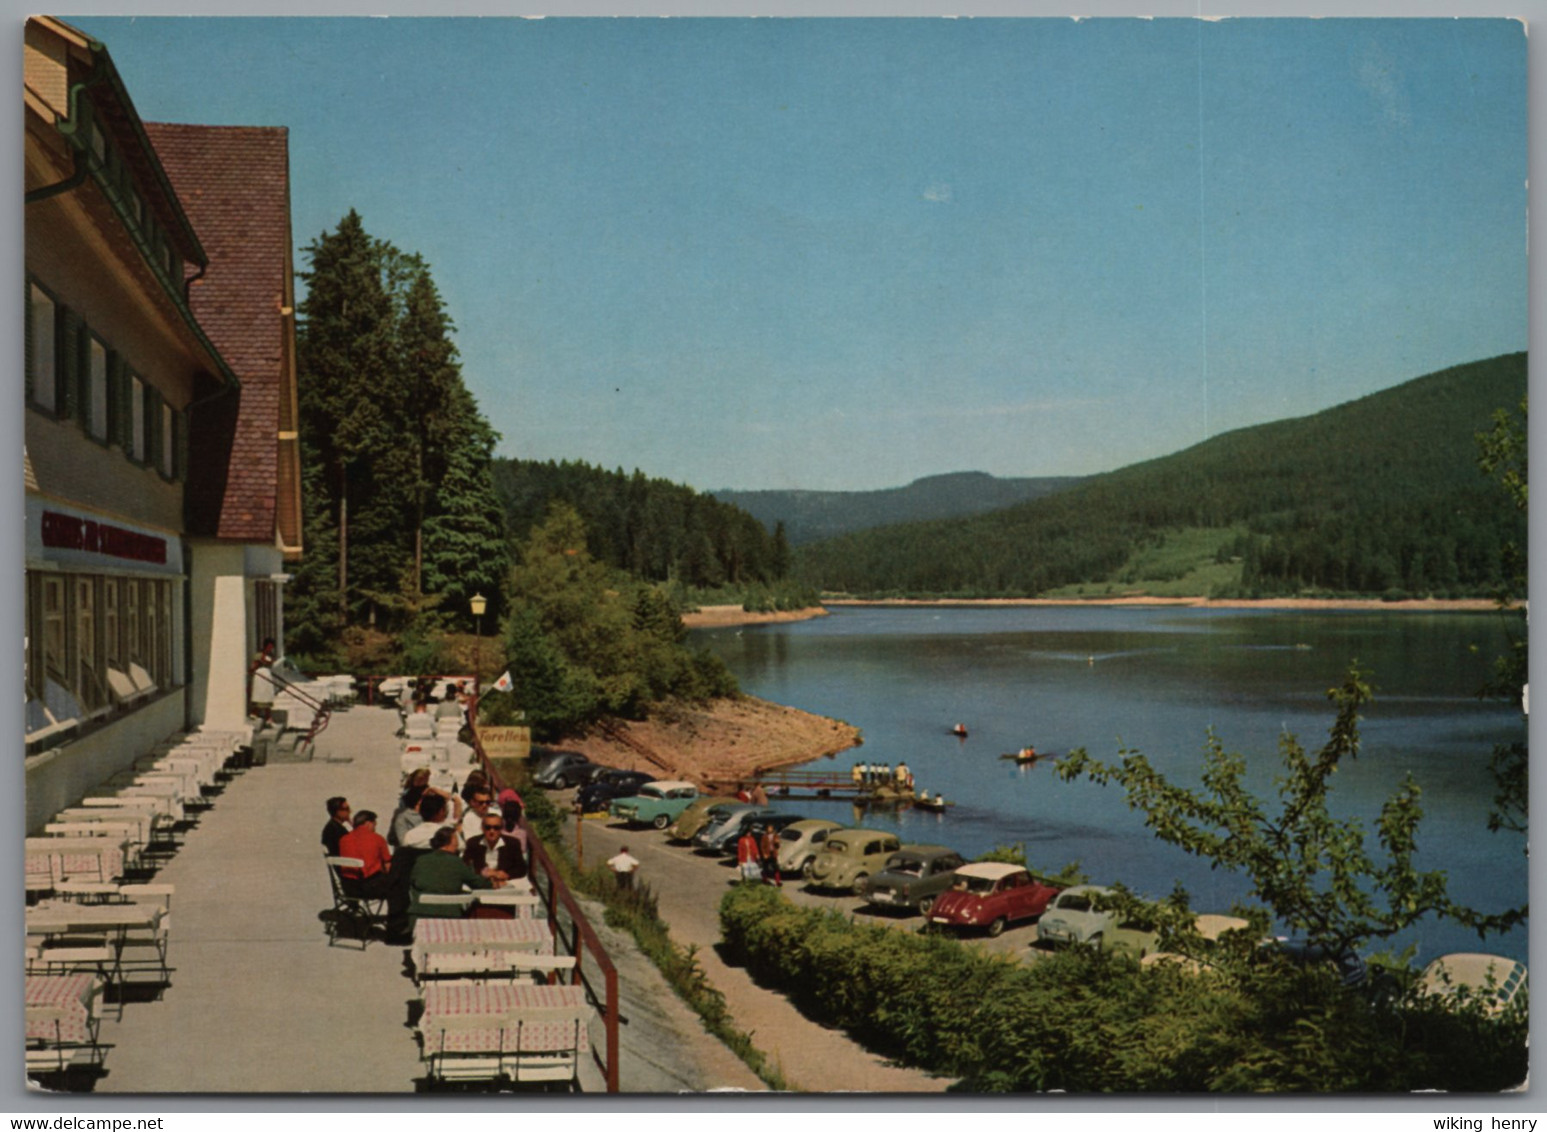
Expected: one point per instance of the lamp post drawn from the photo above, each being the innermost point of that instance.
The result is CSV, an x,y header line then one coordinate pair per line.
x,y
478,603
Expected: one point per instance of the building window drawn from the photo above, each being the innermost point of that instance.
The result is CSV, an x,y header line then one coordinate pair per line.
x,y
54,635
167,440
112,648
96,423
137,420
132,621
42,359
88,684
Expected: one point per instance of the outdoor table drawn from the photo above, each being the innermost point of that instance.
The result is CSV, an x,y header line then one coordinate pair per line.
x,y
62,918
436,934
197,770
57,858
544,1018
137,823
167,796
515,899
62,1008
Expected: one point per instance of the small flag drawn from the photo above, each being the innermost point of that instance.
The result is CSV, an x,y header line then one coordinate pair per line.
x,y
504,683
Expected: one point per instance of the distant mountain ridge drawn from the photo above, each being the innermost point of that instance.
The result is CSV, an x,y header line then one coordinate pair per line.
x,y
1380,495
810,516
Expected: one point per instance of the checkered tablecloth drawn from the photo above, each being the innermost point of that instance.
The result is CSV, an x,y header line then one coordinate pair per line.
x,y
520,1018
60,858
471,936
59,1007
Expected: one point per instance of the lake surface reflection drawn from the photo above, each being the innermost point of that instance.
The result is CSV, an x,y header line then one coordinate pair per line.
x,y
1156,680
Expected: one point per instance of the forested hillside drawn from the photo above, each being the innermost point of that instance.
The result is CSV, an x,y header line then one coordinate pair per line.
x,y
656,530
1376,496
810,516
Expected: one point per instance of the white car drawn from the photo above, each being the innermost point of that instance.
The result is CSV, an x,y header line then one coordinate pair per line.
x,y
1073,918
1491,979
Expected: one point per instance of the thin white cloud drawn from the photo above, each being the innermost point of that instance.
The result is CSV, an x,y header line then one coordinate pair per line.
x,y
939,193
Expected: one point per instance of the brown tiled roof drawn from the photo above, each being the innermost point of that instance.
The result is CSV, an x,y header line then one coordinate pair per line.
x,y
234,184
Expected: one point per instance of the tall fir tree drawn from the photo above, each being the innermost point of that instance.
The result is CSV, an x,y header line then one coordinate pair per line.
x,y
401,509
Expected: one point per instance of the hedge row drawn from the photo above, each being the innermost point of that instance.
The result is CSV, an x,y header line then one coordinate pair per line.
x,y
1083,1021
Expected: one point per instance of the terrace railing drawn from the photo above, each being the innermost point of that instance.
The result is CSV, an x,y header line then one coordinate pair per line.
x,y
573,933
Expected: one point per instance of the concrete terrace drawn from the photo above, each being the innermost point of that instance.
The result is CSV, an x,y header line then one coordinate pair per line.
x,y
259,1002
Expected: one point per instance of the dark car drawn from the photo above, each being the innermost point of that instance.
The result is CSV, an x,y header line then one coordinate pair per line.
x,y
569,768
914,876
599,793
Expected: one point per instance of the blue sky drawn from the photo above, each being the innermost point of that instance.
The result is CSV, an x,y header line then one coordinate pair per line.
x,y
844,254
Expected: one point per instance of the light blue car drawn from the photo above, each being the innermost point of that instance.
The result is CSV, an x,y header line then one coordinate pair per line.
x,y
657,804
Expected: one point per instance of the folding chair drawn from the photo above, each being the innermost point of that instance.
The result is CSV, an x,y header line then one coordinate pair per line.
x,y
361,913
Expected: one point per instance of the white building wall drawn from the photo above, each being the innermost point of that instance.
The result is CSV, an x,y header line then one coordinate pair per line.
x,y
218,609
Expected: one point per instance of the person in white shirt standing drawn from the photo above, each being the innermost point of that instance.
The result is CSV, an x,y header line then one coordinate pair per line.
x,y
623,866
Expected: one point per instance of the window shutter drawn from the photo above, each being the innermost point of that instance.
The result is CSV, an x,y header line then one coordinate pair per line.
x,y
180,422
68,359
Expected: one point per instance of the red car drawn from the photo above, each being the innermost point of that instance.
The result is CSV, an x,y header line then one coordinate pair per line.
x,y
990,894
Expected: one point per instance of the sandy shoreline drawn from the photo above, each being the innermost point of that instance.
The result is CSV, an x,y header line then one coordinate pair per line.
x,y
727,740
725,616
1429,605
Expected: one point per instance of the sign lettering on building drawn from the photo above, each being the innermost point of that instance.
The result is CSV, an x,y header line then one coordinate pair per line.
x,y
70,532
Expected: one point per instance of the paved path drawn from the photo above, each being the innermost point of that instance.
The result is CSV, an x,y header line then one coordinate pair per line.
x,y
260,1003
688,888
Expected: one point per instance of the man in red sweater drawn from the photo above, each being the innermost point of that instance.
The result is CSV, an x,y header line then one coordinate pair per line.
x,y
370,847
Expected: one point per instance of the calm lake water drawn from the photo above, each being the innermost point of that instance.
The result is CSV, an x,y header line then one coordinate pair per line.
x,y
1157,681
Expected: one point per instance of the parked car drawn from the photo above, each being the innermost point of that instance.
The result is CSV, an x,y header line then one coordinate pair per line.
x,y
913,877
1073,917
1465,976
1349,965
849,857
609,784
697,815
1211,926
991,895
570,769
800,842
1134,936
719,836
657,803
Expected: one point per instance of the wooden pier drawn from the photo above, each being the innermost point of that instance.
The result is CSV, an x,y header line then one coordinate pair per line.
x,y
826,785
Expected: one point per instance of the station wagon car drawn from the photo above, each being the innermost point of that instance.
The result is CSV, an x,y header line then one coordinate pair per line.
x,y
913,877
991,895
657,803
1074,918
697,815
801,841
850,857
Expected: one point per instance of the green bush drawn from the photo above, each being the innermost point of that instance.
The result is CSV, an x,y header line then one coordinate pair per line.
x,y
1086,1021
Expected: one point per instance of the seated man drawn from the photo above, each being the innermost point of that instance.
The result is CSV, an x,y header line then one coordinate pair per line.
x,y
442,872
479,806
338,825
363,842
435,810
495,854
